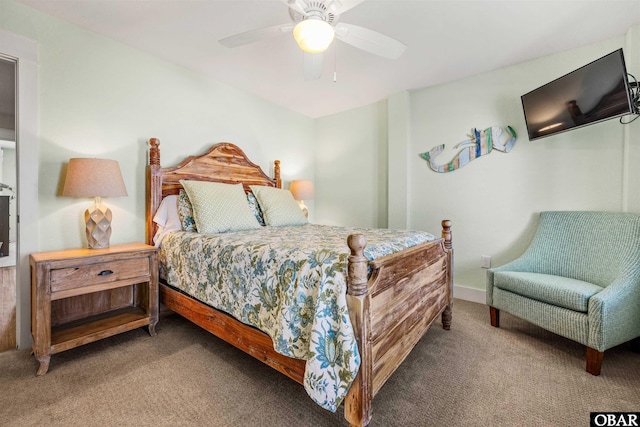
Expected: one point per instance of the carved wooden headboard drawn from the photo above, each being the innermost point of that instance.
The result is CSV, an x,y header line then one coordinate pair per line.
x,y
224,162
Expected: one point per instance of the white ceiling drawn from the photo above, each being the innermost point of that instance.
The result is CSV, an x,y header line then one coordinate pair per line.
x,y
447,40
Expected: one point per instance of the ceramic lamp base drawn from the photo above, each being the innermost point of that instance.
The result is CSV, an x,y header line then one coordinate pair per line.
x,y
304,208
98,219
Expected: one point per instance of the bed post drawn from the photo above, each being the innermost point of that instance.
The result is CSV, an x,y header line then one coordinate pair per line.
x,y
447,314
154,187
276,173
357,403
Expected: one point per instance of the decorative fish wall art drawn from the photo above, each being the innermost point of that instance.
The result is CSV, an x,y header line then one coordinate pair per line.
x,y
479,144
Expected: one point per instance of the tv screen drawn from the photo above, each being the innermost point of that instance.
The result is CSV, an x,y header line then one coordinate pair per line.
x,y
593,93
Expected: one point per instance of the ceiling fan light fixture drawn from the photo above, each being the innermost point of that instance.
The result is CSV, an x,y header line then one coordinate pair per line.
x,y
313,35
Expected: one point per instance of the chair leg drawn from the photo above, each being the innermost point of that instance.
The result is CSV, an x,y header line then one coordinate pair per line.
x,y
495,316
594,361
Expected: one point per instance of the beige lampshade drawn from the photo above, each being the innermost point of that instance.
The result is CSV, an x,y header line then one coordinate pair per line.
x,y
302,189
93,178
313,35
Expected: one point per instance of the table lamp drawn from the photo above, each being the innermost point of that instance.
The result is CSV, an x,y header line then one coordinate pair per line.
x,y
96,178
302,190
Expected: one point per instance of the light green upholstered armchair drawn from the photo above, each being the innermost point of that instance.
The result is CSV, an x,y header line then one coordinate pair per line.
x,y
579,278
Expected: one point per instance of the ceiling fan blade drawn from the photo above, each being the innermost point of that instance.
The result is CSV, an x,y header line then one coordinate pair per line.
x,y
370,41
297,5
255,35
312,66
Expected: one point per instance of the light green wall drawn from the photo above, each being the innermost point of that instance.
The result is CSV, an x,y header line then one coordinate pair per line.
x,y
631,179
351,168
493,202
398,153
100,98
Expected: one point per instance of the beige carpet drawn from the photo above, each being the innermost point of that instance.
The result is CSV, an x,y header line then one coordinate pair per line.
x,y
473,375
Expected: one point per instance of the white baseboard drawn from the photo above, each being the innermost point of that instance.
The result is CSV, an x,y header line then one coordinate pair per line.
x,y
470,294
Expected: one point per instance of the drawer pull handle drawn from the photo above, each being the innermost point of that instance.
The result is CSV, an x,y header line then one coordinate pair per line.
x,y
105,273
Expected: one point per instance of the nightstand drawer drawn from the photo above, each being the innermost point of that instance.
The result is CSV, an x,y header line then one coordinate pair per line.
x,y
95,274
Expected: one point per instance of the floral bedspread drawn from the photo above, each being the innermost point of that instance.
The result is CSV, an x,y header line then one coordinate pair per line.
x,y
289,282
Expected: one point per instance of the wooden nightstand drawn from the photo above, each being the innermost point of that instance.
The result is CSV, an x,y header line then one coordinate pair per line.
x,y
82,295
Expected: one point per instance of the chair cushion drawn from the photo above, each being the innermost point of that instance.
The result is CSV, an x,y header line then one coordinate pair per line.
x,y
556,290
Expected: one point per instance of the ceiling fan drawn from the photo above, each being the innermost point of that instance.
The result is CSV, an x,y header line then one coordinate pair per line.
x,y
320,17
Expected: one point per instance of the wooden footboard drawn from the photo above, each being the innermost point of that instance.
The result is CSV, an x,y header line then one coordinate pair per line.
x,y
392,309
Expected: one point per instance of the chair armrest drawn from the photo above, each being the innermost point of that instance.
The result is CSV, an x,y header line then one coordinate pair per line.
x,y
614,314
521,264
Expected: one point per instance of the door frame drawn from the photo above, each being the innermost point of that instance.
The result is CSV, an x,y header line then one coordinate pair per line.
x,y
25,52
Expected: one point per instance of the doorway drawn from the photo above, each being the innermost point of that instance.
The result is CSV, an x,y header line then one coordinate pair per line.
x,y
8,203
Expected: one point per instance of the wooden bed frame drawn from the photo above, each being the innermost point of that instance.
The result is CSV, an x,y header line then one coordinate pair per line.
x,y
390,309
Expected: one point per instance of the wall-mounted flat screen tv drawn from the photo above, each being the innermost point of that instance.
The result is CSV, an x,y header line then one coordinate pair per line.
x,y
593,93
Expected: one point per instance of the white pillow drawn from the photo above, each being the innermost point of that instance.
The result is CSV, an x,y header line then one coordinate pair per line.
x,y
278,206
219,207
167,218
